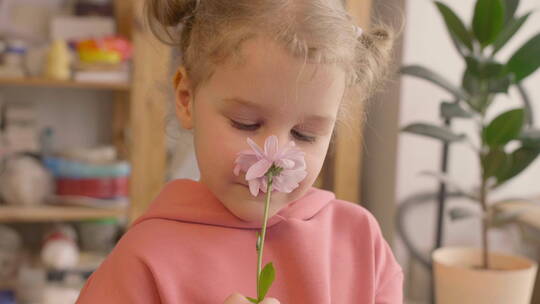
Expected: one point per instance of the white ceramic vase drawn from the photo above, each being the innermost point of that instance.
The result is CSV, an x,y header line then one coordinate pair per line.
x,y
511,279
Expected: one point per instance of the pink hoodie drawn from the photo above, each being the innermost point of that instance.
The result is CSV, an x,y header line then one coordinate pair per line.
x,y
188,248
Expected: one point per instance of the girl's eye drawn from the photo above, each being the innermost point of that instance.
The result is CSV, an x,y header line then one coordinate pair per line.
x,y
242,126
303,137
254,127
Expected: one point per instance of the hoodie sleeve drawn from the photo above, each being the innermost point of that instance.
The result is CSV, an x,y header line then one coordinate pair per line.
x,y
123,277
388,272
391,290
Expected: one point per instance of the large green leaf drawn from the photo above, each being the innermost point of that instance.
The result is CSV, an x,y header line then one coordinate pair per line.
x,y
504,128
525,60
430,75
477,88
495,162
510,8
268,275
483,77
508,32
488,20
455,26
483,68
433,131
519,160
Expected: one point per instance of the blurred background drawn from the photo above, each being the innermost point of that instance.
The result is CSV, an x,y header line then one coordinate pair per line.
x,y
86,140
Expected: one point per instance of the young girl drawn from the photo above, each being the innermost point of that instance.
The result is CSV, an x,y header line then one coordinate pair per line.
x,y
256,68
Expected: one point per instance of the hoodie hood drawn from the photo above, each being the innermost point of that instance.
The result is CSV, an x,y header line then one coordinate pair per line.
x,y
191,201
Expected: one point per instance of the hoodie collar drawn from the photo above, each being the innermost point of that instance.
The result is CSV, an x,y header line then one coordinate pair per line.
x,y
191,201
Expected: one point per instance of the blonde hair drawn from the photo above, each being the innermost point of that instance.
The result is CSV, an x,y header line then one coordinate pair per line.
x,y
316,31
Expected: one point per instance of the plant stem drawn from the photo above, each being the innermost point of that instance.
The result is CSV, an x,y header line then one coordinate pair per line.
x,y
483,201
266,207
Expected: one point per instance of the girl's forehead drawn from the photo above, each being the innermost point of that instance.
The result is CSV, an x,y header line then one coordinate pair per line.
x,y
269,77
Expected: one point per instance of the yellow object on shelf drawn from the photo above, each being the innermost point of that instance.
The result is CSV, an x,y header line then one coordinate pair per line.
x,y
58,60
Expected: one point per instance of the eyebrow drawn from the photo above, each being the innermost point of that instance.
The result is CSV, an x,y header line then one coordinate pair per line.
x,y
254,105
242,102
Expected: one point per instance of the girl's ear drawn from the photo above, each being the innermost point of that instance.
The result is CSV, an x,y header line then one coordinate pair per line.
x,y
183,99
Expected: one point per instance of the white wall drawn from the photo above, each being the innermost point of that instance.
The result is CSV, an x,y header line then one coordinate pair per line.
x,y
427,43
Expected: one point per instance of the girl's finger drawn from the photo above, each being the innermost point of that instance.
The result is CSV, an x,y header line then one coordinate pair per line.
x,y
270,301
237,298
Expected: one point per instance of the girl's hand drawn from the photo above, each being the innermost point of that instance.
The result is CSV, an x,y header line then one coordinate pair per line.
x,y
237,298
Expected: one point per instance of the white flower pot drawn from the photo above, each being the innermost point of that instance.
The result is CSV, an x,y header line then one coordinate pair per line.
x,y
456,281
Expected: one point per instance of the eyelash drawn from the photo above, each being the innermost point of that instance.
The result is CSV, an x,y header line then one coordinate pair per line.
x,y
300,136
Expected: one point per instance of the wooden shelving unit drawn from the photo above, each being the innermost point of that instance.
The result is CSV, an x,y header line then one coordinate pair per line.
x,y
46,213
138,109
51,83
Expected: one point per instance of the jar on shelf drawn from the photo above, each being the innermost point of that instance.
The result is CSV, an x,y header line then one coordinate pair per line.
x,y
98,235
13,59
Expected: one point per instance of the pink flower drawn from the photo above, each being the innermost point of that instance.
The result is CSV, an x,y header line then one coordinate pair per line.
x,y
288,163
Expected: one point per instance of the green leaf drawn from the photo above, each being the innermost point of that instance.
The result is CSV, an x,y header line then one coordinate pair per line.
x,y
268,275
501,84
427,74
433,131
454,110
526,60
530,138
504,128
471,82
483,77
455,26
520,159
484,69
488,20
253,300
458,213
491,69
495,162
510,8
508,32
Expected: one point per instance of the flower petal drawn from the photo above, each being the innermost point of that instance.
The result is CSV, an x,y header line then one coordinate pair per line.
x,y
255,148
271,147
285,163
254,187
258,169
285,150
245,160
263,184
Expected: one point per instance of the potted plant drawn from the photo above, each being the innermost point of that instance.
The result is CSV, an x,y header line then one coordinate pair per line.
x,y
505,146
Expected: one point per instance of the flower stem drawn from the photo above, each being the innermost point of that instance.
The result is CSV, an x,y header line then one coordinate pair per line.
x,y
266,207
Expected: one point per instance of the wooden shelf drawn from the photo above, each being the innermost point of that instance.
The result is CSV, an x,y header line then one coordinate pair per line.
x,y
51,83
56,213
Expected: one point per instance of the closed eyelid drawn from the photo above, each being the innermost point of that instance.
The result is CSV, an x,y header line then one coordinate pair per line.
x,y
249,111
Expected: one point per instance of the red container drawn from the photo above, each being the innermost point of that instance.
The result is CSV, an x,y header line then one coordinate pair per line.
x,y
93,187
